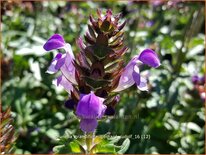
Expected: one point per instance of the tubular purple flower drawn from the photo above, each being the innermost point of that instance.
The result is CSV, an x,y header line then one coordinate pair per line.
x,y
62,62
198,79
195,79
131,72
90,108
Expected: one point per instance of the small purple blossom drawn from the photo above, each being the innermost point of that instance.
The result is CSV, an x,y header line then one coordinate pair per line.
x,y
61,62
198,79
150,23
89,109
131,73
195,79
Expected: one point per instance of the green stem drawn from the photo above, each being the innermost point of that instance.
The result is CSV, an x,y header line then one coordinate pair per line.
x,y
89,140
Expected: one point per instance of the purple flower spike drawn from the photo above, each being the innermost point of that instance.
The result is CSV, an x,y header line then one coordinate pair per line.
x,y
89,109
149,57
55,42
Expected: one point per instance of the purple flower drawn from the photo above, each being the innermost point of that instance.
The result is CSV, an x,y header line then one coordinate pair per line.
x,y
198,79
61,62
195,79
131,74
150,23
90,108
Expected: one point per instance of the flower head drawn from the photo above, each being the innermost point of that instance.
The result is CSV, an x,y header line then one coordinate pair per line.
x,y
98,69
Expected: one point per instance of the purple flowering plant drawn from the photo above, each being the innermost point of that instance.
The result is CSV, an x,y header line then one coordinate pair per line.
x,y
94,77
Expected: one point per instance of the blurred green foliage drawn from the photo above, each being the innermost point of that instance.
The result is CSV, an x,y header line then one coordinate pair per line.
x,y
171,113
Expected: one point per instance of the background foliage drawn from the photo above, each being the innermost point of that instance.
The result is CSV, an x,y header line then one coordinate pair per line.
x,y
171,114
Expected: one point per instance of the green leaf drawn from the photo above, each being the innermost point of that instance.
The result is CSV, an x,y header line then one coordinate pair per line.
x,y
61,149
107,145
53,134
199,40
75,146
108,148
124,146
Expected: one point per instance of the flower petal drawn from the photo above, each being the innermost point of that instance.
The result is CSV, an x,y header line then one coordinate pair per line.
x,y
136,75
143,84
68,69
90,106
55,42
88,125
52,68
103,109
126,79
68,49
66,84
60,62
149,57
